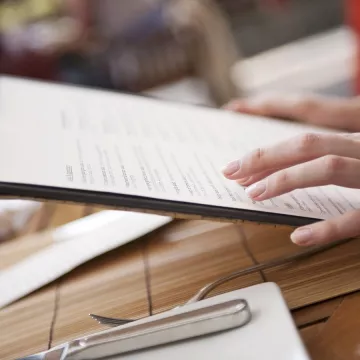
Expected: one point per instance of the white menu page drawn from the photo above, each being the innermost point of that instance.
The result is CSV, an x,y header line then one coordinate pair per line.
x,y
72,138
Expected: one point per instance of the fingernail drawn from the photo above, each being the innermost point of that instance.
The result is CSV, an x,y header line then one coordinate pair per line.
x,y
256,190
231,168
302,236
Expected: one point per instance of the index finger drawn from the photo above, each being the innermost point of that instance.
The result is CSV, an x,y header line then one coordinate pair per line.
x,y
291,152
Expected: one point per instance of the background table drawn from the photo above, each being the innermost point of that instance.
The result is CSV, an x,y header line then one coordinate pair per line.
x,y
165,268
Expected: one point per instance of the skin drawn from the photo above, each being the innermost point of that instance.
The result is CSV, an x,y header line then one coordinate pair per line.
x,y
305,161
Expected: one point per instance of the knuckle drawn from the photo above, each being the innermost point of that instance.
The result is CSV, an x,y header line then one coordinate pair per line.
x,y
258,154
329,231
281,180
308,141
333,165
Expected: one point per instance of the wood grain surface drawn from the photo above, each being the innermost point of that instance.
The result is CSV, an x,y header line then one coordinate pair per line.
x,y
167,267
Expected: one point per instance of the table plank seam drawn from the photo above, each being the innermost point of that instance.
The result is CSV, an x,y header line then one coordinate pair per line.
x,y
337,307
47,213
147,274
245,245
54,315
315,322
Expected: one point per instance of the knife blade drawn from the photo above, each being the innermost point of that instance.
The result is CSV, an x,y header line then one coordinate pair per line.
x,y
153,331
58,353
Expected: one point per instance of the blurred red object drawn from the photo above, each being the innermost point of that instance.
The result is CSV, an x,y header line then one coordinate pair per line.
x,y
28,64
19,56
353,20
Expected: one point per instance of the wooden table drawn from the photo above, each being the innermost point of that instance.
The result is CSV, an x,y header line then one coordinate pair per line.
x,y
167,267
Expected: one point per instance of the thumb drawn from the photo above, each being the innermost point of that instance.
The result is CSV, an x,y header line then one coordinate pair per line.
x,y
339,228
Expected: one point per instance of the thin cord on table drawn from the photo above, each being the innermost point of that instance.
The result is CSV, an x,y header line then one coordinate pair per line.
x,y
201,294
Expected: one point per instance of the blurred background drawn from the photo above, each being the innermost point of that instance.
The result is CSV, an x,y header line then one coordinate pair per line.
x,y
203,52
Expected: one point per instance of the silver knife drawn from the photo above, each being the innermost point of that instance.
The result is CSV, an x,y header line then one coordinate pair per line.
x,y
152,331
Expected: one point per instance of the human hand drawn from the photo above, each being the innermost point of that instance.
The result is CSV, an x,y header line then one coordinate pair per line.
x,y
331,112
306,161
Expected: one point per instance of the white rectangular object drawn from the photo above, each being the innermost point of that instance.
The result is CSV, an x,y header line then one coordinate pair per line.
x,y
271,334
74,244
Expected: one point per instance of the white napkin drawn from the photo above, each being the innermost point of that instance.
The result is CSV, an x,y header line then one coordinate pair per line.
x,y
74,244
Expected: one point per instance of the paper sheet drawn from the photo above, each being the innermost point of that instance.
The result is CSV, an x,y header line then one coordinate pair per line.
x,y
74,244
107,142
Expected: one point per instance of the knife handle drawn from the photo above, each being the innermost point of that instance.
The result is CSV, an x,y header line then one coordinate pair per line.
x,y
161,330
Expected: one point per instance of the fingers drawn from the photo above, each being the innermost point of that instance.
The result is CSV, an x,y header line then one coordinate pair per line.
x,y
295,107
291,152
334,112
342,227
252,179
327,170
